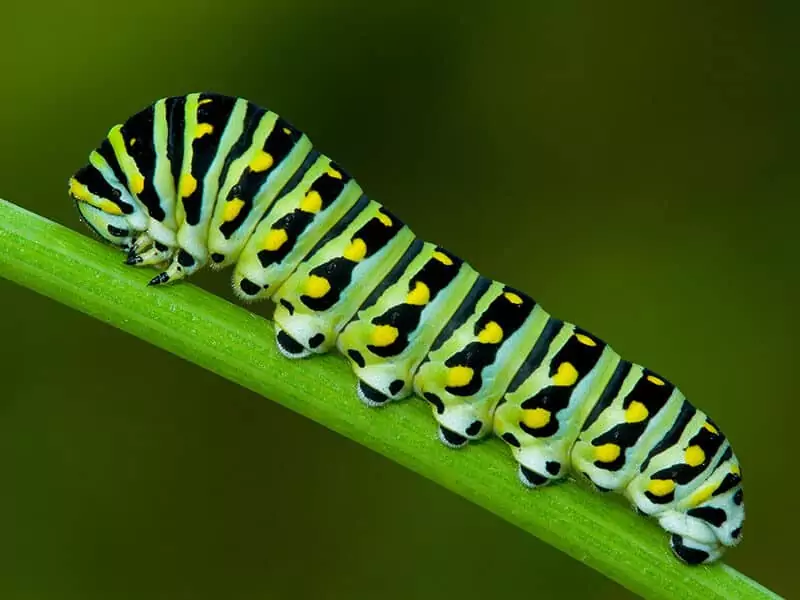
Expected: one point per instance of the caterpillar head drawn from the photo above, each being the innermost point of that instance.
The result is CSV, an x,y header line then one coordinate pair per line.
x,y
107,209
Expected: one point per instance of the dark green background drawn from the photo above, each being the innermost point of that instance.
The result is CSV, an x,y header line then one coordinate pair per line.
x,y
634,166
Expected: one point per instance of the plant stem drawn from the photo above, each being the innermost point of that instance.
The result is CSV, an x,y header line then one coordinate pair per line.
x,y
238,345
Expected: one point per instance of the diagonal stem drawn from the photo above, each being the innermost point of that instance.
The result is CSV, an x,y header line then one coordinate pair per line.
x,y
238,345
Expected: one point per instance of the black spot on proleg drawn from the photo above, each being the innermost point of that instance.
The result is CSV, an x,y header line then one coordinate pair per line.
x,y
248,287
288,306
355,356
736,533
217,257
552,467
690,556
184,258
396,386
532,477
453,438
371,394
290,345
474,428
316,340
738,498
510,439
435,400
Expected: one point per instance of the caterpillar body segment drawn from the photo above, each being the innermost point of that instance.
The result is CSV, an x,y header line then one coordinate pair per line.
x,y
319,199
398,325
465,377
209,179
550,399
329,286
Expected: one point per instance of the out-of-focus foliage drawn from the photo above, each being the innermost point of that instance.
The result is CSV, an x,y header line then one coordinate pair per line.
x,y
634,168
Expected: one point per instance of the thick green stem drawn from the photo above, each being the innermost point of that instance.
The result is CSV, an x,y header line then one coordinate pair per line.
x,y
232,342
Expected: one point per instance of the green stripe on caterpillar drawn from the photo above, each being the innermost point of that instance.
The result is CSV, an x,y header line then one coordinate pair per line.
x,y
206,179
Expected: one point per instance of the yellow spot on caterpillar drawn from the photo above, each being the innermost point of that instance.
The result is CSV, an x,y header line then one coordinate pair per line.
x,y
109,207
420,295
701,495
132,143
566,375
443,258
287,131
312,203
513,298
232,209
80,192
492,333
459,376
384,218
203,129
536,418
709,427
188,185
137,184
585,340
261,161
204,101
356,251
694,456
736,470
607,453
655,380
384,335
275,239
661,487
636,412
331,172
317,286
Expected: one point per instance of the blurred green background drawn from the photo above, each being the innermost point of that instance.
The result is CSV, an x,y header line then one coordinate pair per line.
x,y
632,165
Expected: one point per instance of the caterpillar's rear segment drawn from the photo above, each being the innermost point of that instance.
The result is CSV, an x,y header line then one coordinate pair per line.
x,y
209,179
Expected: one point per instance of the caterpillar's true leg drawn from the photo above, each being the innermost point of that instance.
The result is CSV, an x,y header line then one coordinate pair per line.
x,y
140,244
156,255
183,264
692,552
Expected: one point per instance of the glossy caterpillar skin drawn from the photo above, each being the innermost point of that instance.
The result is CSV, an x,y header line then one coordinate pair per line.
x,y
210,179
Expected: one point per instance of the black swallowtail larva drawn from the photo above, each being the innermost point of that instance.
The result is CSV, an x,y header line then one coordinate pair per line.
x,y
206,178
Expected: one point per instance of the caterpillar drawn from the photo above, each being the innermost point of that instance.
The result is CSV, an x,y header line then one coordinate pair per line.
x,y
207,179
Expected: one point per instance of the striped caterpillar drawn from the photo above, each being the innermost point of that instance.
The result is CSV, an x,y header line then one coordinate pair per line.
x,y
210,179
